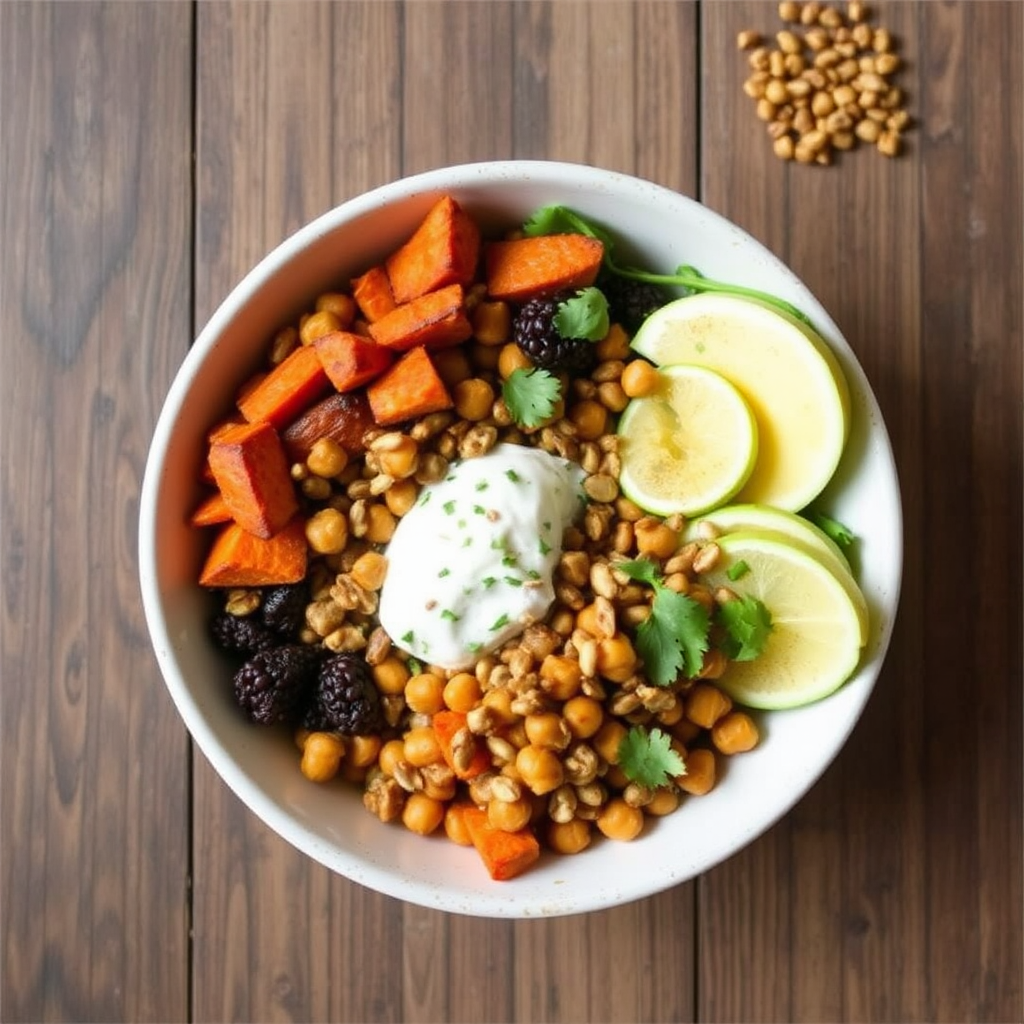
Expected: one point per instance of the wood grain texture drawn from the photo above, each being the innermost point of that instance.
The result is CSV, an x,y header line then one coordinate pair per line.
x,y
896,865
94,299
135,886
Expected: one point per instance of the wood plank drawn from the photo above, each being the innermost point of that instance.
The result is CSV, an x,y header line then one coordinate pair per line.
x,y
884,904
95,102
283,135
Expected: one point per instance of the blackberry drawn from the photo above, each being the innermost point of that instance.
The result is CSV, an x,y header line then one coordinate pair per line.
x,y
238,634
284,608
345,699
273,685
534,331
630,302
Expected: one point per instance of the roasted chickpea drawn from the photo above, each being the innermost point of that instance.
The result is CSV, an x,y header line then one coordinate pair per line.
x,y
473,398
583,715
327,531
424,693
617,820
569,837
462,692
422,814
326,458
391,675
421,746
321,756
539,768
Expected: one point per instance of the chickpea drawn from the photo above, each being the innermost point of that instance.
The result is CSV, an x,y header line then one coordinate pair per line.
x,y
617,820
591,419
512,358
700,772
616,659
569,837
461,692
342,306
612,396
316,325
547,729
400,497
455,825
499,703
327,458
735,733
654,538
424,693
664,801
583,715
473,398
509,815
397,455
390,754
321,756
391,675
421,746
540,769
422,814
560,676
380,524
640,379
362,751
706,704
327,531
614,345
492,322
607,740
452,364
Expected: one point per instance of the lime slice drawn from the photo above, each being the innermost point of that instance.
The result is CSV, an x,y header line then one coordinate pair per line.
x,y
815,642
788,526
689,446
787,373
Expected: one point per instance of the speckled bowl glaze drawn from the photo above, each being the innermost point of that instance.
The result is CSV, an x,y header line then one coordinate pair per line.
x,y
658,228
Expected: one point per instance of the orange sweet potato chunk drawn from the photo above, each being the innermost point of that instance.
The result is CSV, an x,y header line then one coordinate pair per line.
x,y
249,466
444,250
436,320
211,510
239,559
446,724
372,292
524,267
350,360
341,417
289,388
408,389
505,854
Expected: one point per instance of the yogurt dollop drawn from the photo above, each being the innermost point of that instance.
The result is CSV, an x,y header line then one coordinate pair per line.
x,y
470,565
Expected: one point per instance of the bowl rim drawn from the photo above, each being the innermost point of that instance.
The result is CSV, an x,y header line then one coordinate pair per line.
x,y
450,178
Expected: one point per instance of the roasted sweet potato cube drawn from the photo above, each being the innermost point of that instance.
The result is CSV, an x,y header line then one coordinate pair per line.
x,y
249,466
372,292
341,417
239,559
410,388
444,250
436,320
522,268
289,388
350,360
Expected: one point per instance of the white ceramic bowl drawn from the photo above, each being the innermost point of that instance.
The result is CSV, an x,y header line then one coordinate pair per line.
x,y
329,823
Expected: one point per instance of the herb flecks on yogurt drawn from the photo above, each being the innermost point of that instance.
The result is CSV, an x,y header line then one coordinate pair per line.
x,y
456,599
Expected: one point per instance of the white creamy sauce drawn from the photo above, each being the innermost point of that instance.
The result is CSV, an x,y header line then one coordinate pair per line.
x,y
470,565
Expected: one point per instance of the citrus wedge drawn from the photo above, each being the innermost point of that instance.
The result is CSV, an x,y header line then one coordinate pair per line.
x,y
815,642
689,446
789,376
794,529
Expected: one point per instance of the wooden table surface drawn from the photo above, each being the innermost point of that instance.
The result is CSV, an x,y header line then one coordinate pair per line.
x,y
150,153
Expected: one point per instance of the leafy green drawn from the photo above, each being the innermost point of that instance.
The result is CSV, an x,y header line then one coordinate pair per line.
x,y
642,570
839,532
674,637
585,315
553,220
747,624
647,757
530,395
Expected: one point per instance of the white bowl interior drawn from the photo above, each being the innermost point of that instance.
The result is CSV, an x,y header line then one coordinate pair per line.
x,y
328,822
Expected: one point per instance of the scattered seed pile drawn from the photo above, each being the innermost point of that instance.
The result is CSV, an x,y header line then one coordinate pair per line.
x,y
827,84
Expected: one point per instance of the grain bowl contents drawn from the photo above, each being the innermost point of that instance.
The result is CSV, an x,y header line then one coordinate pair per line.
x,y
426,569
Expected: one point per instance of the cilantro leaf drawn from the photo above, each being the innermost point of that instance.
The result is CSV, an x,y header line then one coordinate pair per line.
x,y
673,637
648,758
530,395
560,220
585,315
747,625
643,570
837,531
